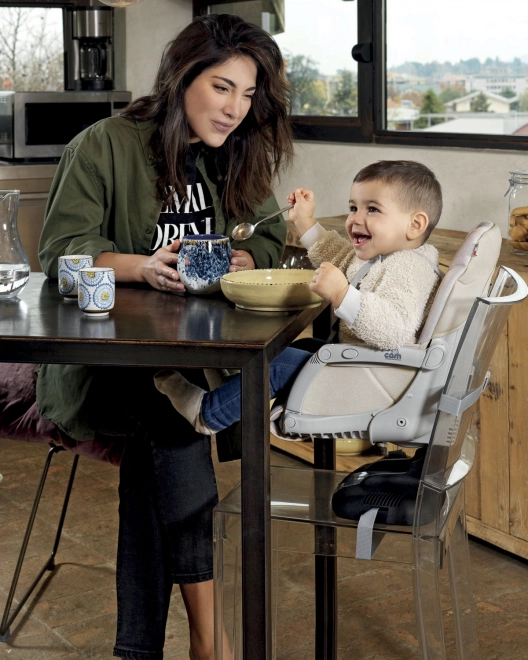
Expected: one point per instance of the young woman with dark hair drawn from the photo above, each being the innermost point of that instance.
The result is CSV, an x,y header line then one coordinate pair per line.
x,y
197,155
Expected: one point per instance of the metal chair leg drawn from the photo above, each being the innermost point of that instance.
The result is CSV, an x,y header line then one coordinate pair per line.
x,y
49,565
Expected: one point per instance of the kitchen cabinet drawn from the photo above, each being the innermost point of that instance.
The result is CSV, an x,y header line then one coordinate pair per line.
x,y
34,182
497,487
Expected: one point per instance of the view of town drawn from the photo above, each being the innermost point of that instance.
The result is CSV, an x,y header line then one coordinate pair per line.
x,y
469,96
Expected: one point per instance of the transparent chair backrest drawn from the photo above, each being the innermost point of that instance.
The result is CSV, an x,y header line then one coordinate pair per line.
x,y
451,451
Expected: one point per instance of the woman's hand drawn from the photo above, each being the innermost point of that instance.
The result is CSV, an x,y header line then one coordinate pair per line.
x,y
159,270
329,283
302,213
241,260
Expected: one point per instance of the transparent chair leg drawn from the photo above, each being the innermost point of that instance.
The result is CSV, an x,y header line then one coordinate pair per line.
x,y
464,613
228,587
274,586
427,601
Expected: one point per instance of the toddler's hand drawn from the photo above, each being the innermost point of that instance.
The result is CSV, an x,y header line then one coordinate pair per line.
x,y
302,213
329,283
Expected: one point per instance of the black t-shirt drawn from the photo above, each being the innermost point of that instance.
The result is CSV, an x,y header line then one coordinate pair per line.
x,y
193,215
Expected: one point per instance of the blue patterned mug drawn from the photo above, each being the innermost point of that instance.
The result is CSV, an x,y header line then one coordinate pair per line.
x,y
202,260
69,266
96,291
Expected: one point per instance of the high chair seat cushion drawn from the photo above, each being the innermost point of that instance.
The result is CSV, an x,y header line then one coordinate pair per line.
x,y
356,388
20,418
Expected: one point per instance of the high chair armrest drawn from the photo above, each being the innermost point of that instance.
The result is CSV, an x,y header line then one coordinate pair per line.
x,y
406,356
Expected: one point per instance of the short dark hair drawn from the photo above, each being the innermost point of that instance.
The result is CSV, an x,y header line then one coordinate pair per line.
x,y
415,185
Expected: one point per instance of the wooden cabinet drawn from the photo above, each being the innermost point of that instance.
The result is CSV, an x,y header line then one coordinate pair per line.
x,y
34,182
497,487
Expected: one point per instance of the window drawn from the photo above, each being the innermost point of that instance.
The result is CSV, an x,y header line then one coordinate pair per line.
x,y
450,73
468,76
319,64
31,49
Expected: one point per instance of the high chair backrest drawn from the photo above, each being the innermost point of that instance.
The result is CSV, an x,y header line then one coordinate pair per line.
x,y
468,277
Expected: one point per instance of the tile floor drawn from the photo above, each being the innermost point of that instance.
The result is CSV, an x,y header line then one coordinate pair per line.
x,y
72,613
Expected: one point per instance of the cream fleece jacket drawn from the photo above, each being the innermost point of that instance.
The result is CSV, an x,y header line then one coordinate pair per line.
x,y
394,297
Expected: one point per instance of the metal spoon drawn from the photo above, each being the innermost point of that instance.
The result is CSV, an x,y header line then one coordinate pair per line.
x,y
245,229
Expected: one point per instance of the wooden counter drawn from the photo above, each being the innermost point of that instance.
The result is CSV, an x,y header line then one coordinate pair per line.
x,y
497,487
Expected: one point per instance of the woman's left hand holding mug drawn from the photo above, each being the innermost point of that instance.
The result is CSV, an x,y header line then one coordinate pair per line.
x,y
159,270
241,260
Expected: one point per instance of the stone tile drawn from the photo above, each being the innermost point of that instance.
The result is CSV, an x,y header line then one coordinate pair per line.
x,y
387,644
68,552
32,466
40,646
69,579
75,607
506,578
94,637
24,625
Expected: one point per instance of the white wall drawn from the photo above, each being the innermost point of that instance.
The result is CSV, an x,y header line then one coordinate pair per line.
x,y
150,25
473,181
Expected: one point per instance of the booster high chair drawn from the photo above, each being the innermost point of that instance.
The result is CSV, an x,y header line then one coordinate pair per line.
x,y
458,340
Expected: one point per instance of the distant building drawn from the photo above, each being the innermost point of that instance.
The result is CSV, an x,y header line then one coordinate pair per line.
x,y
496,82
484,123
496,102
400,116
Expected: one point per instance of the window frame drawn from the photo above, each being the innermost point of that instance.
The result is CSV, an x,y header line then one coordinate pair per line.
x,y
368,126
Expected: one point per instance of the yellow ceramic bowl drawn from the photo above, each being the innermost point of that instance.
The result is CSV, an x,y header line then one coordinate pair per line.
x,y
270,290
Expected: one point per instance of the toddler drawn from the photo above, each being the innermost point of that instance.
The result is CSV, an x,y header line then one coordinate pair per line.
x,y
381,282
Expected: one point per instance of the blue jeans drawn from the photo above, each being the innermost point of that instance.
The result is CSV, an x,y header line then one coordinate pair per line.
x,y
221,407
167,493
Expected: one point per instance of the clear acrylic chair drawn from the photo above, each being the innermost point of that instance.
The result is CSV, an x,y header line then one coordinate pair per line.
x,y
303,520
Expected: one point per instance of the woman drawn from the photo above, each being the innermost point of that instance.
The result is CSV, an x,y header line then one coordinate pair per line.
x,y
198,155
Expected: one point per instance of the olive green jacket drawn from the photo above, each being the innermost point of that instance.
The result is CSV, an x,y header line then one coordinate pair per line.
x,y
103,199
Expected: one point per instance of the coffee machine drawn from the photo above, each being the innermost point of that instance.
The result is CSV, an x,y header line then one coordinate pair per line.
x,y
88,43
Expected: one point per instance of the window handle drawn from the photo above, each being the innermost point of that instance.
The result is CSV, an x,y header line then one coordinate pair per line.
x,y
362,53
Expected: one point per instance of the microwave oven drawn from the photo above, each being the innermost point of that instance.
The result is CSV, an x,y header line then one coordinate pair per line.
x,y
38,125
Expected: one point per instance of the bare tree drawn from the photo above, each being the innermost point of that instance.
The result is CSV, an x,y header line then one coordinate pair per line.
x,y
31,51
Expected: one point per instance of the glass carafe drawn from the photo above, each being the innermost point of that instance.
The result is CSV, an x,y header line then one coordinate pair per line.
x,y
14,262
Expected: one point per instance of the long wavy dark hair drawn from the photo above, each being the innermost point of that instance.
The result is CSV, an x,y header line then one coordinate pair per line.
x,y
259,148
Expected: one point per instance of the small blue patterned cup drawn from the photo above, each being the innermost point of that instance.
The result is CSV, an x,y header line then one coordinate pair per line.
x,y
96,291
202,260
68,268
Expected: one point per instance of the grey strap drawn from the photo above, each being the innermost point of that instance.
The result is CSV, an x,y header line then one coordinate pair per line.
x,y
365,533
454,406
364,270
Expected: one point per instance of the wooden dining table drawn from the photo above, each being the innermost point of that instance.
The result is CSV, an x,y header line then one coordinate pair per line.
x,y
150,328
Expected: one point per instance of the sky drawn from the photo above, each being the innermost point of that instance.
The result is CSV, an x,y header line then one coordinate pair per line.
x,y
418,30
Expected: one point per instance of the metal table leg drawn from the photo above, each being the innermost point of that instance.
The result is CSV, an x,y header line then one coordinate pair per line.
x,y
256,518
325,568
